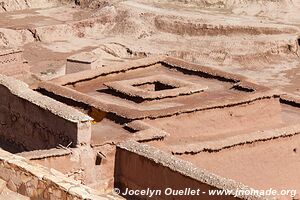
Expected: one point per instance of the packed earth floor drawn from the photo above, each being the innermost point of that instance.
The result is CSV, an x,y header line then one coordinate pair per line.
x,y
98,98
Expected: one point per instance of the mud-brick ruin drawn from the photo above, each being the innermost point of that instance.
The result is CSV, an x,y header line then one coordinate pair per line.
x,y
136,95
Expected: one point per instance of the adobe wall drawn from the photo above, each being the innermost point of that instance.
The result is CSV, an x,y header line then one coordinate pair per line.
x,y
79,163
80,62
225,121
38,182
140,166
25,117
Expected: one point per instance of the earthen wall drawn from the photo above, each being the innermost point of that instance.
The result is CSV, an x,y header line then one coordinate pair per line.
x,y
140,167
30,121
38,182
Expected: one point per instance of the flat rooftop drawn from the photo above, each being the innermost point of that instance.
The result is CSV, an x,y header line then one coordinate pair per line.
x,y
262,165
161,92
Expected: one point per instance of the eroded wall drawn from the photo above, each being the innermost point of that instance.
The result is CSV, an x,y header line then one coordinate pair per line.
x,y
30,121
38,182
140,167
93,167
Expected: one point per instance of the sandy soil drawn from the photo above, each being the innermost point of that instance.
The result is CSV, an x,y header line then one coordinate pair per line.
x,y
256,39
237,43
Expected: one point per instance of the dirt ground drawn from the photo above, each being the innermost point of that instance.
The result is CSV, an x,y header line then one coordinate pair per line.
x,y
257,39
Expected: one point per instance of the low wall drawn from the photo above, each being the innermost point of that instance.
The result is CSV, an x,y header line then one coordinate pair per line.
x,y
30,121
139,167
81,62
38,182
87,165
